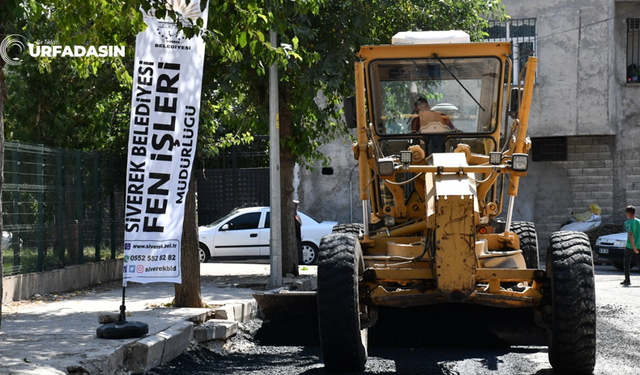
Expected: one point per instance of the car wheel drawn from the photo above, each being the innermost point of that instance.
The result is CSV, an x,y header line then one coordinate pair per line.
x,y
203,253
309,253
572,348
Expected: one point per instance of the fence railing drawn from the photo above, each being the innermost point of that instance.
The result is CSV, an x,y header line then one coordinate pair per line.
x,y
60,207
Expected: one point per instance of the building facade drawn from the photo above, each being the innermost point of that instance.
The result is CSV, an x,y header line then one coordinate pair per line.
x,y
585,114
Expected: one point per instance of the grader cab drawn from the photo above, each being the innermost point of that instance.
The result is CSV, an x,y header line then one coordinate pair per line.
x,y
438,166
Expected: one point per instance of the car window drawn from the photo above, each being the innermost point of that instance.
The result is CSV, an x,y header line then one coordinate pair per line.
x,y
267,222
222,219
246,221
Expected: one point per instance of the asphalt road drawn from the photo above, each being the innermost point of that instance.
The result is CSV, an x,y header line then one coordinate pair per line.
x,y
421,342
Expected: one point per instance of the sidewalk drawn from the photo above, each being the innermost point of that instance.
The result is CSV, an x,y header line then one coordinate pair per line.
x,y
59,337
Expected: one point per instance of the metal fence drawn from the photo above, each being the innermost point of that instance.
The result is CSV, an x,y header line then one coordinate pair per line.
x,y
60,207
238,177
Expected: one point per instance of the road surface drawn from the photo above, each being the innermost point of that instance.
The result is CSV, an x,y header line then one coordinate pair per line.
x,y
423,343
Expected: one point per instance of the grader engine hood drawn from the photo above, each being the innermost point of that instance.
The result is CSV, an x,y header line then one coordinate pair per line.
x,y
452,211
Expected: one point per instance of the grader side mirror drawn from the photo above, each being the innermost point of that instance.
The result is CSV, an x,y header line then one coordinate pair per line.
x,y
514,102
350,112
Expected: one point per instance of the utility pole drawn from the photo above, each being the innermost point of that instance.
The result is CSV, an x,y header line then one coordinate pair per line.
x,y
275,245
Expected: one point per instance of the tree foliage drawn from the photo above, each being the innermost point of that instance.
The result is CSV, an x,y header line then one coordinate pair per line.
x,y
62,109
318,41
318,44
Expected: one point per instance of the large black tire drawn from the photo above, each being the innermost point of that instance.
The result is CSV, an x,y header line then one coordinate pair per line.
x,y
356,229
572,347
528,242
340,266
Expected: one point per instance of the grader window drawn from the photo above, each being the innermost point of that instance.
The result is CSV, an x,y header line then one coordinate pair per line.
x,y
448,95
481,145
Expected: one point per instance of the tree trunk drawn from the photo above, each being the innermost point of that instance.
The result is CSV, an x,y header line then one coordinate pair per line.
x,y
188,293
3,99
287,163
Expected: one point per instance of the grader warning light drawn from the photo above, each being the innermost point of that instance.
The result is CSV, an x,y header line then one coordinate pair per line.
x,y
520,162
495,158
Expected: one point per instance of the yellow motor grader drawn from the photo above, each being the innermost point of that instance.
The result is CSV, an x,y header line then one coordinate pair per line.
x,y
438,164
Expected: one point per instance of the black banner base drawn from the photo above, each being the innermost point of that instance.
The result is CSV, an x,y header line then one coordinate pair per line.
x,y
122,330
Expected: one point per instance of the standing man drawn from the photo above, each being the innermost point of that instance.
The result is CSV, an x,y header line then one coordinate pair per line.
x,y
632,226
296,205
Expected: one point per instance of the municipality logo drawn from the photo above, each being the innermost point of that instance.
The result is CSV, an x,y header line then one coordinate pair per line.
x,y
11,49
167,28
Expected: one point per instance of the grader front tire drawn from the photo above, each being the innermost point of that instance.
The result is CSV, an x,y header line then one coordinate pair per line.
x,y
343,341
572,349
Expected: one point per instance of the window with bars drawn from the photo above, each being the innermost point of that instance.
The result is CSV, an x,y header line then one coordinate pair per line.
x,y
633,50
522,35
549,149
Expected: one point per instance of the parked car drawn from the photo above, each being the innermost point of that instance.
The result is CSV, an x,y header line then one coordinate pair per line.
x,y
245,233
611,247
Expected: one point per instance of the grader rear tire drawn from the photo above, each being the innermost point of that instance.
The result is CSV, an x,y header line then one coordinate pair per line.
x,y
528,242
572,348
343,341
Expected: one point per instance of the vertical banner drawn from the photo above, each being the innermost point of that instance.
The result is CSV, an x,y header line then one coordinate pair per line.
x,y
165,106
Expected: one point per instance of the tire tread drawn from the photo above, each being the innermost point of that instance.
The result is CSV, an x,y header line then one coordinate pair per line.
x,y
343,347
573,338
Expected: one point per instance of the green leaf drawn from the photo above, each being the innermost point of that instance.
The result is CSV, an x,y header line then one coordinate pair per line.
x,y
242,39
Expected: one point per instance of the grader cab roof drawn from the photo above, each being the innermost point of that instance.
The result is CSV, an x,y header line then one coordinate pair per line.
x,y
430,37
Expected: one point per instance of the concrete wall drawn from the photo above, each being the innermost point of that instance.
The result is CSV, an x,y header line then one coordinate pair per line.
x,y
572,92
15,288
331,197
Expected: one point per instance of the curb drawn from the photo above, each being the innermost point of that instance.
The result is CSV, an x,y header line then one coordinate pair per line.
x,y
155,350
